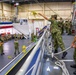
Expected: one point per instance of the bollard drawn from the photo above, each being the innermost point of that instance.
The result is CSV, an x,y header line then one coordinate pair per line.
x,y
24,49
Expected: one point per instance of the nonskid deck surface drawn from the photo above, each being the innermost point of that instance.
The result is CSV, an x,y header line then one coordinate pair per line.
x,y
48,66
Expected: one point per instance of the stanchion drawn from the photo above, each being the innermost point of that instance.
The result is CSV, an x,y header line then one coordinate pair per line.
x,y
24,49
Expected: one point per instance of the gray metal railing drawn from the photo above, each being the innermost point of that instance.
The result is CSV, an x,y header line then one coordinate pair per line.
x,y
5,69
26,64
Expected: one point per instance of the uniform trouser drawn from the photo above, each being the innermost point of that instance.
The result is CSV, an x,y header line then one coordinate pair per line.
x,y
66,29
74,55
16,50
69,30
32,37
1,50
58,41
62,30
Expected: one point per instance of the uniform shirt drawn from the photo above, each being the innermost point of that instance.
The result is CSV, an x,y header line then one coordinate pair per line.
x,y
54,26
60,24
1,45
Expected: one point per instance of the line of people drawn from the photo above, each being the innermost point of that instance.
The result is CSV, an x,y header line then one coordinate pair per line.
x,y
16,47
7,37
1,47
16,37
65,26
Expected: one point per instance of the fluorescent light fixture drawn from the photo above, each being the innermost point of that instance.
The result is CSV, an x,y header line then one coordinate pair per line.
x,y
13,1
17,3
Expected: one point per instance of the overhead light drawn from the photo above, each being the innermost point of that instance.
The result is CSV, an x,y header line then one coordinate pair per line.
x,y
13,1
17,3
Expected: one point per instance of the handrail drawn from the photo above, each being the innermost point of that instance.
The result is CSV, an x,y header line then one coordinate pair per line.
x,y
36,64
36,67
10,62
29,59
13,60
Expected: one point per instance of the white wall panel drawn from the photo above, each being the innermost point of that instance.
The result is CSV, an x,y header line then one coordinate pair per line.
x,y
9,30
6,13
38,24
53,6
63,9
35,7
64,5
23,14
6,7
0,13
0,6
23,8
2,31
47,13
13,8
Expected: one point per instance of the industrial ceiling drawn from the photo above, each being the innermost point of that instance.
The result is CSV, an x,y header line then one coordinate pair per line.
x,y
34,1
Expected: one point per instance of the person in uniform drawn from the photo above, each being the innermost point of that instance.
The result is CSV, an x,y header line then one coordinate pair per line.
x,y
18,36
32,37
16,45
1,47
74,55
69,27
61,25
56,34
15,35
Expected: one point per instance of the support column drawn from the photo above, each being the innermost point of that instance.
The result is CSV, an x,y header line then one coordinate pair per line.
x,y
2,9
44,12
16,14
16,11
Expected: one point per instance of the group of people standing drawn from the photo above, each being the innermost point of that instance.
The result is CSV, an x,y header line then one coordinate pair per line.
x,y
16,37
1,47
65,26
16,47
